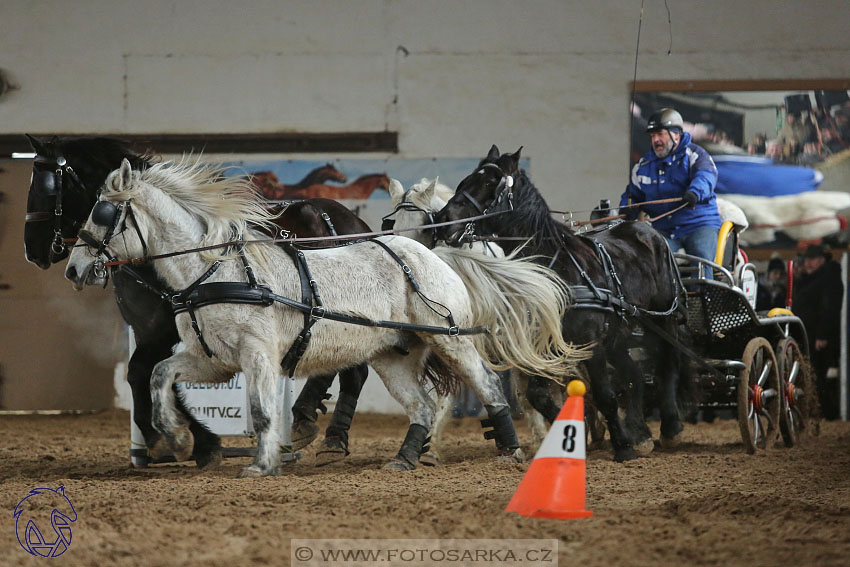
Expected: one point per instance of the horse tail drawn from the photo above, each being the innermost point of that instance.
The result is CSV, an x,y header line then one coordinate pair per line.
x,y
522,303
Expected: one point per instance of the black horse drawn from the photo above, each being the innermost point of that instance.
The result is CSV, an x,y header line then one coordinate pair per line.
x,y
67,175
626,265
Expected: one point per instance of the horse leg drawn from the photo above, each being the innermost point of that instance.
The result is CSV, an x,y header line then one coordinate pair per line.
x,y
671,426
261,378
305,408
445,404
463,359
171,423
400,374
536,421
335,445
631,379
606,402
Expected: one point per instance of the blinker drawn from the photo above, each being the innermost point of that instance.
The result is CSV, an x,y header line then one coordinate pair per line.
x,y
387,224
44,182
104,213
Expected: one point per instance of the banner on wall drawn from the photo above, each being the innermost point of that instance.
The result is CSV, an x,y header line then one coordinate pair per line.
x,y
361,184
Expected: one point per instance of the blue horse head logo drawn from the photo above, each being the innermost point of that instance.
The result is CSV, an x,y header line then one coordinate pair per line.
x,y
41,502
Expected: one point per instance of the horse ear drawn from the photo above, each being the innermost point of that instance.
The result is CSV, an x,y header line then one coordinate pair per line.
x,y
493,154
396,189
126,174
120,180
428,192
514,160
37,145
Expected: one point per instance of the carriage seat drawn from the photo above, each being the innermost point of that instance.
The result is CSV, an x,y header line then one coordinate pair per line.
x,y
730,256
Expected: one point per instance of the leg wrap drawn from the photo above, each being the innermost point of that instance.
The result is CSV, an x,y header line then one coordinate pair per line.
x,y
414,444
503,428
351,380
311,397
341,419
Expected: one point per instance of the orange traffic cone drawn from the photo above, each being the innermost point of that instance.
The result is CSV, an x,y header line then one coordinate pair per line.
x,y
554,485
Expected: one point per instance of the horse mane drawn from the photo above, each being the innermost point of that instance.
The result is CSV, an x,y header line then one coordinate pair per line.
x,y
532,213
228,207
103,151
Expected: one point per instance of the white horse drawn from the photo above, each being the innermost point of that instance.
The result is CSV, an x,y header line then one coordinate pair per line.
x,y
173,207
413,208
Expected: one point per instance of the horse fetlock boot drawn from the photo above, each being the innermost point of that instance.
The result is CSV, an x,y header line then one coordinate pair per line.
x,y
503,431
335,446
412,447
305,411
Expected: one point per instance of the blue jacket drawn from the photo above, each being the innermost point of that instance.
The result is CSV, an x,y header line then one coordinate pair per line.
x,y
688,167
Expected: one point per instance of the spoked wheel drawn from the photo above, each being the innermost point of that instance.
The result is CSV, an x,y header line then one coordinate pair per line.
x,y
759,399
799,397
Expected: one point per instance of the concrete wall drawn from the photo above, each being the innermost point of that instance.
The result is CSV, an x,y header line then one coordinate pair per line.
x,y
451,77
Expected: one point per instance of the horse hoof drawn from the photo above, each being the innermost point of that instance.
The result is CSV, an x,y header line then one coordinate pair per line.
x,y
671,442
331,452
396,464
255,472
159,449
181,442
209,460
623,455
645,447
430,459
515,456
304,432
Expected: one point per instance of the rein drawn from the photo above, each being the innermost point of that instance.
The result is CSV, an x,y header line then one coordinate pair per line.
x,y
347,237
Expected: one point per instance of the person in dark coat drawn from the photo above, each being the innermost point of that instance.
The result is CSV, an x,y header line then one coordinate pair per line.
x,y
773,289
817,301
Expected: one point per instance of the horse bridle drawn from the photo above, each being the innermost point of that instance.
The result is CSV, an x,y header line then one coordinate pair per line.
x,y
388,223
108,214
55,177
503,193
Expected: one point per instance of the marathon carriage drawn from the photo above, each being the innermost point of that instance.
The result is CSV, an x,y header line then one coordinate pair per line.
x,y
769,380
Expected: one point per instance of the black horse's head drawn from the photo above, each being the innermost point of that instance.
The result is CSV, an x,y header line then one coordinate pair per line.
x,y
66,177
486,190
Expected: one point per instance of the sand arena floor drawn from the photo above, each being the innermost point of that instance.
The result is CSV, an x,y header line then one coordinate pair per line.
x,y
706,504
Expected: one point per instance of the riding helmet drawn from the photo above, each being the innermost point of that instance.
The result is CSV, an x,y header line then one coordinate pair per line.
x,y
665,119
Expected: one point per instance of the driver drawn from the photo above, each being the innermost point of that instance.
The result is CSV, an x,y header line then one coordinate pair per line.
x,y
676,167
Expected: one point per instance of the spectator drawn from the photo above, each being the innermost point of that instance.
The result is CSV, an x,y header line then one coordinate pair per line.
x,y
793,135
758,145
817,301
773,289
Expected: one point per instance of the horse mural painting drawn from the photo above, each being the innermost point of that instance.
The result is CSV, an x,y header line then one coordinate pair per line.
x,y
169,207
68,173
628,264
273,190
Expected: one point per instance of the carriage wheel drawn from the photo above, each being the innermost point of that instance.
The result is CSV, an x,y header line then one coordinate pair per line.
x,y
799,397
759,400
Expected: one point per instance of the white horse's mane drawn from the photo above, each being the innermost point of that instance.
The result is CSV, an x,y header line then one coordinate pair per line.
x,y
227,206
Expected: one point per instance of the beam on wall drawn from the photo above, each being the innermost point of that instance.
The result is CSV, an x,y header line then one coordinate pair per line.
x,y
241,143
741,85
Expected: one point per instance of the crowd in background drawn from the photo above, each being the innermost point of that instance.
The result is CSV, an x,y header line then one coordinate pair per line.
x,y
817,293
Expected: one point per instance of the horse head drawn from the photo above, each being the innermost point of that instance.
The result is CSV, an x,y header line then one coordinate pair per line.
x,y
106,221
67,174
331,173
486,190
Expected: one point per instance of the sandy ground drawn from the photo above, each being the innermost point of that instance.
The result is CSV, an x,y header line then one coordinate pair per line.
x,y
707,503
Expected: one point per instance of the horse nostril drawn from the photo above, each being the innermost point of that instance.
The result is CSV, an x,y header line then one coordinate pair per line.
x,y
71,273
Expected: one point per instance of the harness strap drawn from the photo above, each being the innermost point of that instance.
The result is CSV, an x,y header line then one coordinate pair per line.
x,y
182,301
309,295
326,217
